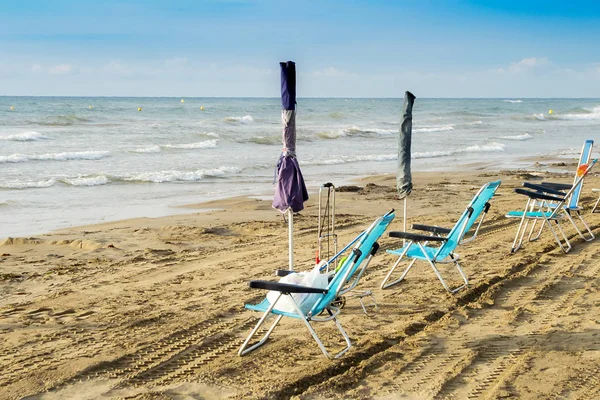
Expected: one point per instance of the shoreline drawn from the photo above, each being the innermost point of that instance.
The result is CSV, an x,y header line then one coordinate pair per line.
x,y
530,164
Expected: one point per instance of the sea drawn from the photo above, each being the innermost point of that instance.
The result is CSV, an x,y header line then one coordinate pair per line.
x,y
71,161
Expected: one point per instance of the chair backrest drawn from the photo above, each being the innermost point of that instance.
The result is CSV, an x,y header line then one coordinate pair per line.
x,y
467,219
349,267
576,187
586,155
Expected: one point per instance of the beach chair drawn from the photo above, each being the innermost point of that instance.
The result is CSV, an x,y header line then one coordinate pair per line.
x,y
417,245
549,205
344,278
572,202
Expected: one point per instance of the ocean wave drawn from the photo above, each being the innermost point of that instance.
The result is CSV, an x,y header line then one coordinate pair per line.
x,y
62,120
87,181
355,131
25,137
28,184
512,101
566,152
584,114
430,129
151,149
490,147
485,148
265,140
525,136
208,144
210,134
179,176
65,156
539,117
246,119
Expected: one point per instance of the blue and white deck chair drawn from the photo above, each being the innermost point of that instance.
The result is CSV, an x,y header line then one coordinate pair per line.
x,y
417,248
551,205
571,205
363,252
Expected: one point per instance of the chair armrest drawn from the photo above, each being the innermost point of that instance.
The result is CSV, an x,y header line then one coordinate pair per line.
x,y
285,287
542,188
557,186
283,272
537,195
433,229
417,237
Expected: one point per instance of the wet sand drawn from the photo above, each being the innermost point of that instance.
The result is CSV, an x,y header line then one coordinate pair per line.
x,y
153,308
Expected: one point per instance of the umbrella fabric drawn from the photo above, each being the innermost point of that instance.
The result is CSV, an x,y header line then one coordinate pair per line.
x,y
290,192
404,176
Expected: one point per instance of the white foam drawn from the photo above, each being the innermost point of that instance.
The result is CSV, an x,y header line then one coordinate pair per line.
x,y
183,176
490,147
75,155
28,184
525,136
151,149
13,158
208,144
246,119
513,101
25,137
66,156
593,114
539,117
442,128
87,181
210,134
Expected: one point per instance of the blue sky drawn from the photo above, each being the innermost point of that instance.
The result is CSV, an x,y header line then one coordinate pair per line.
x,y
348,48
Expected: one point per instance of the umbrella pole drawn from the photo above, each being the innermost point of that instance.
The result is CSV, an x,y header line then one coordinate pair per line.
x,y
291,238
405,202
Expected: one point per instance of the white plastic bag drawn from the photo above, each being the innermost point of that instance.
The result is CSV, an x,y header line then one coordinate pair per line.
x,y
306,301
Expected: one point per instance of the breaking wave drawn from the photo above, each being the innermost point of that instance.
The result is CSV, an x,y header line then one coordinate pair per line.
x,y
246,119
513,101
491,147
66,156
178,176
207,144
25,137
151,149
525,136
87,181
429,129
28,184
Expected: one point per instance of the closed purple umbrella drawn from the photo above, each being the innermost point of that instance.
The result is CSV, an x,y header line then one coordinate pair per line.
x,y
290,190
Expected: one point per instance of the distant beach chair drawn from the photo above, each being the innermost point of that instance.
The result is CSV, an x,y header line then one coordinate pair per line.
x,y
417,248
344,279
538,209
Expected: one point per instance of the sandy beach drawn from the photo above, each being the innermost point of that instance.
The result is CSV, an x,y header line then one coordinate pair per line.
x,y
154,308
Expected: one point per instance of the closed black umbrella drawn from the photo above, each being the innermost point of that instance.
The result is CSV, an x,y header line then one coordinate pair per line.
x,y
403,175
290,190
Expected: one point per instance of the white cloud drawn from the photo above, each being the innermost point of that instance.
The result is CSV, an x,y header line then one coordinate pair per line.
x,y
331,72
527,64
36,68
61,69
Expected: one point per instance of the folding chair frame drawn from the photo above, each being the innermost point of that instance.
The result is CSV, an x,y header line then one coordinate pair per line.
x,y
422,240
550,212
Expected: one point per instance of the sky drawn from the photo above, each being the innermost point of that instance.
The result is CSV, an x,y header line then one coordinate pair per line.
x,y
342,48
